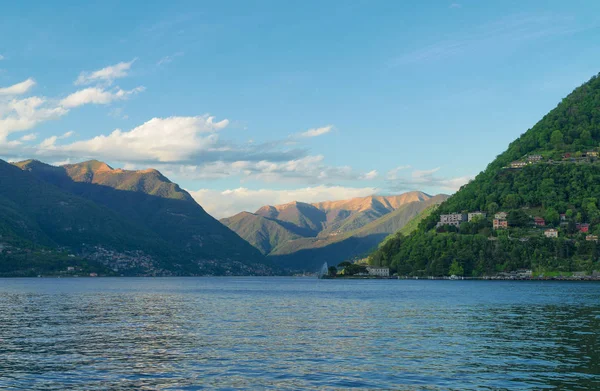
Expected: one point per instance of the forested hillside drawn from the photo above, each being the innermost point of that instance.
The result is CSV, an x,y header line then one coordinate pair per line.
x,y
548,184
133,222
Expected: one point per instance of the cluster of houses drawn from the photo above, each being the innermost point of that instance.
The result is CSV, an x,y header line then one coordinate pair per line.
x,y
455,219
572,157
500,221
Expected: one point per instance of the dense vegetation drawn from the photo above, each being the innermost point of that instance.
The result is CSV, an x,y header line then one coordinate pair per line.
x,y
561,183
138,219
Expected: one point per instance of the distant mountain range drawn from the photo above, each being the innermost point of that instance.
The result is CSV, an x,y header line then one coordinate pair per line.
x,y
125,222
302,236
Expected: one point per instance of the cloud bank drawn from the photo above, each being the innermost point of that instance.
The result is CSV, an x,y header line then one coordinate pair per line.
x,y
227,203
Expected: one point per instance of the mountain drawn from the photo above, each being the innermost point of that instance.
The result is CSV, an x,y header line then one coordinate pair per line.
x,y
550,172
157,227
302,236
263,233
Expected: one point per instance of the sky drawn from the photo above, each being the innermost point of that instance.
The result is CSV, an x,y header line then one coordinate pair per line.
x,y
248,103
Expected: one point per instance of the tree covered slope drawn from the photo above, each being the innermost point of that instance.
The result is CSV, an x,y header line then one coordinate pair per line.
x,y
550,172
150,213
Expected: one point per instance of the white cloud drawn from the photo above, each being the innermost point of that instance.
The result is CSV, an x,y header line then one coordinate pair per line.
x,y
97,96
230,202
370,175
160,139
425,179
317,131
455,5
105,75
307,169
48,143
29,137
424,173
168,59
1,57
23,114
394,173
118,113
17,89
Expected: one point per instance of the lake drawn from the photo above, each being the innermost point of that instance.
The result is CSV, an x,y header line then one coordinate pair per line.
x,y
298,333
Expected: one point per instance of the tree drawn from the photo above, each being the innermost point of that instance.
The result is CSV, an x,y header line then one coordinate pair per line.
x,y
512,201
456,269
518,218
345,264
557,138
492,207
551,216
332,271
586,137
355,268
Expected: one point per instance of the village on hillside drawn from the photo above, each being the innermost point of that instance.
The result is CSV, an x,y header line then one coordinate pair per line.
x,y
500,222
575,157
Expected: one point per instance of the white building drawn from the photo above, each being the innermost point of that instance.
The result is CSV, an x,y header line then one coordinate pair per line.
x,y
501,215
452,219
551,233
378,271
481,215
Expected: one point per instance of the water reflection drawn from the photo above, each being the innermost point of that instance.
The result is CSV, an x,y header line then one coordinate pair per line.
x,y
278,333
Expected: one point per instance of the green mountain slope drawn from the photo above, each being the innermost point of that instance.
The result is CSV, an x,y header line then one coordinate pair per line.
x,y
306,218
263,233
188,240
412,225
35,215
563,179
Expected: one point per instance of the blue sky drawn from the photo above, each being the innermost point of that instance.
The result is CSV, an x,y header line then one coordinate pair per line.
x,y
246,103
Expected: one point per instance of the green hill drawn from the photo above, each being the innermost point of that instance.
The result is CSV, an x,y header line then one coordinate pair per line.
x,y
551,170
263,233
142,222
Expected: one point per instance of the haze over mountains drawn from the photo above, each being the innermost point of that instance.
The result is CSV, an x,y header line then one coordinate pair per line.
x,y
301,236
133,222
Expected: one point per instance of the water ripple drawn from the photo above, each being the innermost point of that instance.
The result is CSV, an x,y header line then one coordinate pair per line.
x,y
286,333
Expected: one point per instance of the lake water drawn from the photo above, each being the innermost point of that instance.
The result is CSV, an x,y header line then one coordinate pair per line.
x,y
298,333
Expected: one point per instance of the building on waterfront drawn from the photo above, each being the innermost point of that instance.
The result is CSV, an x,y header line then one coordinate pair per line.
x,y
501,215
500,224
473,215
524,273
551,233
378,271
454,219
540,222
